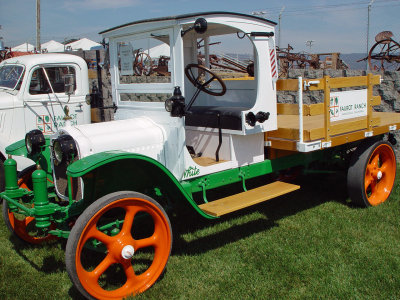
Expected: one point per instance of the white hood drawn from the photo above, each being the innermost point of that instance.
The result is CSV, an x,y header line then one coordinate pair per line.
x,y
139,135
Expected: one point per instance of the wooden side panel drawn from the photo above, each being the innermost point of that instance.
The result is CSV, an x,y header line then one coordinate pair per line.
x,y
343,82
316,109
351,125
288,109
288,127
287,85
289,145
293,109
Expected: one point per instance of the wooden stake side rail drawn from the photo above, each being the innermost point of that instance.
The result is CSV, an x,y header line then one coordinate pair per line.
x,y
334,83
316,123
286,138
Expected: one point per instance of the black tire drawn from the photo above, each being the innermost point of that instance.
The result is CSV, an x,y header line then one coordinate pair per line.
x,y
371,175
86,227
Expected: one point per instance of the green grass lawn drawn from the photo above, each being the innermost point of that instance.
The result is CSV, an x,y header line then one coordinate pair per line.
x,y
308,244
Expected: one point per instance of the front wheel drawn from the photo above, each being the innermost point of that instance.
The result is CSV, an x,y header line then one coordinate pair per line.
x,y
21,226
119,246
371,175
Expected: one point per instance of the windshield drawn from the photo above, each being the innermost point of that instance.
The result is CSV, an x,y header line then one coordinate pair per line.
x,y
10,75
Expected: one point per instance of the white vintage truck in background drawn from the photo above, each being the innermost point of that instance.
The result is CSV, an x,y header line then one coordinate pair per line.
x,y
32,96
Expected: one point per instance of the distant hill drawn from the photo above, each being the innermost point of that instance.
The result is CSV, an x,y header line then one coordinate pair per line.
x,y
351,60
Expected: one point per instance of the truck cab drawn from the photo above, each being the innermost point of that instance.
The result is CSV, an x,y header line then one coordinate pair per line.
x,y
32,96
229,102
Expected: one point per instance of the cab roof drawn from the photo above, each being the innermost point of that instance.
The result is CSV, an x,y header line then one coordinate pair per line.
x,y
47,58
192,15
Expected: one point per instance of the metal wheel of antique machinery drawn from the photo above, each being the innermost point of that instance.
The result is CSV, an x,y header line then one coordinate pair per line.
x,y
385,53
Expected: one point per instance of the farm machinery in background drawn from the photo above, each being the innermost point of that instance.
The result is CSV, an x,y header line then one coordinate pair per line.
x,y
5,52
290,60
384,54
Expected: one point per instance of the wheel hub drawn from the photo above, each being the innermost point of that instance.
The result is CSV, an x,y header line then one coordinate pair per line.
x,y
379,175
127,252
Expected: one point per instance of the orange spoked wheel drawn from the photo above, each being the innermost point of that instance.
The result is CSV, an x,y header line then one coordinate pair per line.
x,y
119,246
21,226
372,173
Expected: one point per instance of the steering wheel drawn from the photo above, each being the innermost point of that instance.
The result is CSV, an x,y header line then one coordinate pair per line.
x,y
199,81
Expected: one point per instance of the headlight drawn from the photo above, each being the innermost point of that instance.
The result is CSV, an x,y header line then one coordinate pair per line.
x,y
64,149
34,140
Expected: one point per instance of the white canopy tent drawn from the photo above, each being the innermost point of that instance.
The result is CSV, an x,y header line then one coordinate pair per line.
x,y
84,44
52,46
25,47
160,50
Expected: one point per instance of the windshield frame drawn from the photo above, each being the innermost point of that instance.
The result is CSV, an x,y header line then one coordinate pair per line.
x,y
19,78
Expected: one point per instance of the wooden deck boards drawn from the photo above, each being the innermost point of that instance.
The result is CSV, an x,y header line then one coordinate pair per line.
x,y
207,161
288,125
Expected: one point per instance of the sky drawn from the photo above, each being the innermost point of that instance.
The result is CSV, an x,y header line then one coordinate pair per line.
x,y
333,26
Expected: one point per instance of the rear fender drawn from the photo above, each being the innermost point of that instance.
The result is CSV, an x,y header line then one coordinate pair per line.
x,y
107,172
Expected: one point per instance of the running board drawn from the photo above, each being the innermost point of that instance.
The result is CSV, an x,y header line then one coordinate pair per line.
x,y
235,202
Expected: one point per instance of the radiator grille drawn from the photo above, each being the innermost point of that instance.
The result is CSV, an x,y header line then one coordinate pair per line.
x,y
61,182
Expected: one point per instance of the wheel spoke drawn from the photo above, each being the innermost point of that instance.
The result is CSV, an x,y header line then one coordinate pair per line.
x,y
147,242
130,212
368,182
20,225
101,268
100,236
129,271
374,161
197,80
209,81
373,187
385,167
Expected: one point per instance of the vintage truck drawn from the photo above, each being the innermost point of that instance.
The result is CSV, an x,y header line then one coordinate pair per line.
x,y
109,188
32,97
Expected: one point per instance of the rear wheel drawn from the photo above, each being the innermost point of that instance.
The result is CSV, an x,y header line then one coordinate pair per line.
x,y
21,226
371,174
119,246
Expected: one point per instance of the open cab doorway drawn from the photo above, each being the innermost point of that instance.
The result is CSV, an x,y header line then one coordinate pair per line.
x,y
207,80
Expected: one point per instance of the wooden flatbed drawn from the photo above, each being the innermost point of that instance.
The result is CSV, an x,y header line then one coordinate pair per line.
x,y
316,123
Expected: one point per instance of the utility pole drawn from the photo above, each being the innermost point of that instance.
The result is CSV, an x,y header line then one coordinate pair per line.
x,y
2,48
369,10
38,26
279,27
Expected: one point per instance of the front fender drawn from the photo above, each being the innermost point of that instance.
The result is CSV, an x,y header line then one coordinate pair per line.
x,y
111,171
17,148
19,153
24,160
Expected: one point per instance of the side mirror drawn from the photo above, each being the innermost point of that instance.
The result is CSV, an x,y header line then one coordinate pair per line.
x,y
69,84
200,26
